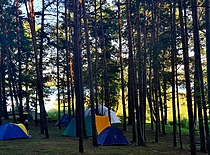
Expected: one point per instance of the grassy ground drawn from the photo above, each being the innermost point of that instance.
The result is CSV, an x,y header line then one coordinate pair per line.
x,y
59,145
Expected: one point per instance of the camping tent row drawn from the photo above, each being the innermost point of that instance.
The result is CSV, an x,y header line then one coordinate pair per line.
x,y
102,110
13,131
107,134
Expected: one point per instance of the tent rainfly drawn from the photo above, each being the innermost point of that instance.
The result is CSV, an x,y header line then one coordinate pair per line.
x,y
112,136
64,120
103,110
70,131
11,131
102,122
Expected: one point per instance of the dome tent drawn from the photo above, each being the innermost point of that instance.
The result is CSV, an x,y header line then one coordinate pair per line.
x,y
103,110
112,136
11,131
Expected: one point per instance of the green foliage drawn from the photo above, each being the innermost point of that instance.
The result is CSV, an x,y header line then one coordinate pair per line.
x,y
53,114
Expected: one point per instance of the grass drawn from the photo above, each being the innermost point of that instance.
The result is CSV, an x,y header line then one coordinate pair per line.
x,y
59,145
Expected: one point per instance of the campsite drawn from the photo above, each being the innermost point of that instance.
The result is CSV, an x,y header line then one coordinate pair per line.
x,y
61,145
104,77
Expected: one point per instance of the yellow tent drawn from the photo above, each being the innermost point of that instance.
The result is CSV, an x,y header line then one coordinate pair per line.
x,y
22,127
102,122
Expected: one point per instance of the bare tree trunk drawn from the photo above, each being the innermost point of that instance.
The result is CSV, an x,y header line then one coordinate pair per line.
x,y
27,87
207,15
173,46
106,84
19,64
90,75
155,72
9,62
199,75
57,65
36,108
131,72
165,102
31,19
144,75
96,57
77,76
139,112
70,70
149,92
187,79
121,66
4,102
197,80
67,59
161,108
178,110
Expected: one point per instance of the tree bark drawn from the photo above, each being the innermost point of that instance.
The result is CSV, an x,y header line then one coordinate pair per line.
x,y
19,64
121,65
90,75
173,46
31,19
77,76
187,79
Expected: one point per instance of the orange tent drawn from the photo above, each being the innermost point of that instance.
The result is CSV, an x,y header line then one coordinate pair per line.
x,y
102,122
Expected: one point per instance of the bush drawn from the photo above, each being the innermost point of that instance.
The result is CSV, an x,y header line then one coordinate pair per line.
x,y
53,114
184,123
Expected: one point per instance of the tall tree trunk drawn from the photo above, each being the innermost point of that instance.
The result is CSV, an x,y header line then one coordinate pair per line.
x,y
200,80
9,62
77,76
27,86
207,15
187,79
90,75
57,65
149,92
4,102
31,19
155,72
41,60
96,57
106,84
161,108
144,68
139,112
131,72
165,101
70,68
36,108
178,109
67,59
173,51
197,80
82,107
19,64
121,65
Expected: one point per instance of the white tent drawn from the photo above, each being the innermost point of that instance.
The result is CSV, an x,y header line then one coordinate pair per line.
x,y
102,110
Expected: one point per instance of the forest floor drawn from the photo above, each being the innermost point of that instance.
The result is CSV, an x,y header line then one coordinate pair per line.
x,y
59,145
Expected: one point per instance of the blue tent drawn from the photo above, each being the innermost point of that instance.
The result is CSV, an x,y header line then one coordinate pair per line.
x,y
11,131
64,120
112,136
